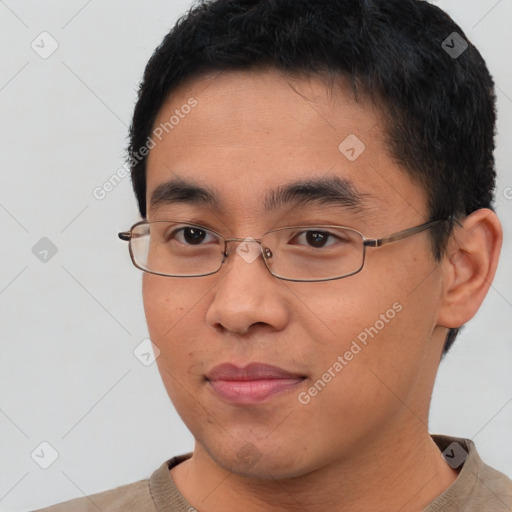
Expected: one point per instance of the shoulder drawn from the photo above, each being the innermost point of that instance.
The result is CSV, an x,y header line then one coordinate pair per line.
x,y
493,486
478,487
131,497
156,493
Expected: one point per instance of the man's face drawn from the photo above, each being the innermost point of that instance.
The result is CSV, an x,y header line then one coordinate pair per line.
x,y
362,351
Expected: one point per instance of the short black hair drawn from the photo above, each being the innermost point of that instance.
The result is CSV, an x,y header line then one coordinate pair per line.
x,y
408,56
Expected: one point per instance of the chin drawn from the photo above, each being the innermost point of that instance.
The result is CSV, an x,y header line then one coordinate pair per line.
x,y
259,461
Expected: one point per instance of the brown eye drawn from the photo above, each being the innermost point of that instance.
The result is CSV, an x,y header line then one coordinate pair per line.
x,y
317,238
193,236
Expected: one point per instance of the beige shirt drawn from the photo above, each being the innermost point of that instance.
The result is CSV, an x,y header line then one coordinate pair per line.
x,y
478,488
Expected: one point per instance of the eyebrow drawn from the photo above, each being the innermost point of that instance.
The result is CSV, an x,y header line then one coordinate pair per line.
x,y
184,192
330,191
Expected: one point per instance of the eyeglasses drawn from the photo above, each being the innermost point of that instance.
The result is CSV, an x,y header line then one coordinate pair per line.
x,y
299,253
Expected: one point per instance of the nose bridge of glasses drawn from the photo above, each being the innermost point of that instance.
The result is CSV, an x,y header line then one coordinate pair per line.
x,y
249,249
246,239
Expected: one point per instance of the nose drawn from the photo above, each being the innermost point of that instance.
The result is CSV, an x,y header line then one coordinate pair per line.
x,y
247,294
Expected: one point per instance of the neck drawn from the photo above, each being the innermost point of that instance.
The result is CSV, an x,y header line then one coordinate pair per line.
x,y
401,471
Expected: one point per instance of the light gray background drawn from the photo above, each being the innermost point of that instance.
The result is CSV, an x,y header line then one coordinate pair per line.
x,y
68,375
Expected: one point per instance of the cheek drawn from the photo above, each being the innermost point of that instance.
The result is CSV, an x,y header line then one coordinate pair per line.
x,y
336,313
158,308
172,311
167,303
371,323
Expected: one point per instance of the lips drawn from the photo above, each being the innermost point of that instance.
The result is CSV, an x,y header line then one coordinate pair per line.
x,y
251,384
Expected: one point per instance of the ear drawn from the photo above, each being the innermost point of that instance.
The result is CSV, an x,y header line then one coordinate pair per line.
x,y
469,265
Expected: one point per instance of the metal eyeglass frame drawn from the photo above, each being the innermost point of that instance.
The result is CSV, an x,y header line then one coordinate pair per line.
x,y
267,253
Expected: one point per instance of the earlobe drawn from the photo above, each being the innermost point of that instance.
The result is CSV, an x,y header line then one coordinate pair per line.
x,y
469,265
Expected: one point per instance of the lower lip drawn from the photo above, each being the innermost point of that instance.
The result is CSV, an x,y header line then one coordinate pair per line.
x,y
252,391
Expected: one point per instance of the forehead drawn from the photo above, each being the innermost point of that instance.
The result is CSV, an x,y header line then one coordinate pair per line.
x,y
245,134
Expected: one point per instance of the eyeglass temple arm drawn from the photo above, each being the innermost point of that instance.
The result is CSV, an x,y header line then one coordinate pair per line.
x,y
378,242
128,235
